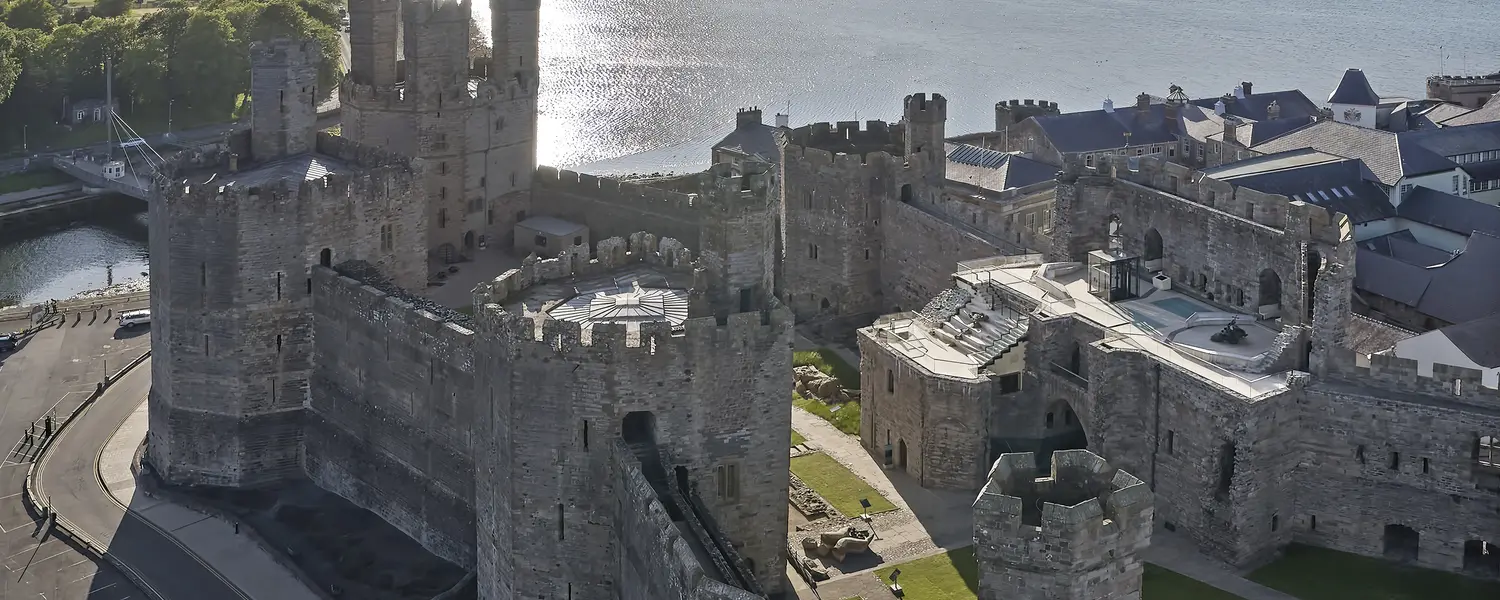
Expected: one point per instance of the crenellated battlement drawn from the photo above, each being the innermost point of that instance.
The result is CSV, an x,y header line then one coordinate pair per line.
x,y
750,189
848,137
333,189
1271,210
1391,372
584,342
923,108
1081,492
481,93
399,311
427,11
613,254
1028,103
283,52
614,191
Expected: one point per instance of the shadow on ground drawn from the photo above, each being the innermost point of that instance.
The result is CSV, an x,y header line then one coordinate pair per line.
x,y
337,544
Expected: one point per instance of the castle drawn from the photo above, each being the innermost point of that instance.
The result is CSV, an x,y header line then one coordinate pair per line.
x,y
611,419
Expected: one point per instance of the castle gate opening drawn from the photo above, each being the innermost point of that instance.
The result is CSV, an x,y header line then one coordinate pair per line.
x,y
1402,543
1151,258
1481,559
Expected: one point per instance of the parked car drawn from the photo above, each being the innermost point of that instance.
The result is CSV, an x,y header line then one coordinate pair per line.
x,y
7,342
129,319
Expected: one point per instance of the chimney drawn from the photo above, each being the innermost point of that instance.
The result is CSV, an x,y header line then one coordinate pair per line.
x,y
1143,102
1231,131
1245,86
747,117
783,120
1239,91
1109,105
1219,107
1273,110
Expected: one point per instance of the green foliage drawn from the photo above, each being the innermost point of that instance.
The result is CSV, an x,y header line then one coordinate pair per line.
x,y
30,14
1321,574
797,439
193,57
111,8
838,485
830,363
845,418
29,181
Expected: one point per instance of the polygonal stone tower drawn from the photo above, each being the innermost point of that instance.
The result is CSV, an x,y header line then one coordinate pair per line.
x,y
1073,534
594,374
235,234
474,123
835,181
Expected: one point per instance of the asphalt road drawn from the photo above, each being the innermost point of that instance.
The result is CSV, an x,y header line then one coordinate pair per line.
x,y
53,371
69,477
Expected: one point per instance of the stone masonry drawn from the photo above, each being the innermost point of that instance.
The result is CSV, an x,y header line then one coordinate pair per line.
x,y
1075,533
474,122
234,241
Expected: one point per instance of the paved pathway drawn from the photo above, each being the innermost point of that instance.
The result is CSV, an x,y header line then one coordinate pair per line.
x,y
238,558
1175,552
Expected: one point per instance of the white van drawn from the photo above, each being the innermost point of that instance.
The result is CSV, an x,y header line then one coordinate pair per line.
x,y
132,318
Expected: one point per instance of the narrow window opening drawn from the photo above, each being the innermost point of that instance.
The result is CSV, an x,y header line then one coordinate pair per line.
x,y
1395,461
890,381
309,285
1426,466
560,523
203,274
1171,441
1049,420
1359,453
278,285
1313,522
205,344
585,434
1226,469
278,343
281,98
1275,522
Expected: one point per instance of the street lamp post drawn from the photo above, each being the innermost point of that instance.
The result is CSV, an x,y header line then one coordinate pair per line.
x,y
170,102
24,148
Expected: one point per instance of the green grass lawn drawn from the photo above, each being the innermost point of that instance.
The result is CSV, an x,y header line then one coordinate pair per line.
x,y
838,485
955,576
797,438
950,576
1320,574
828,361
26,181
846,418
1162,584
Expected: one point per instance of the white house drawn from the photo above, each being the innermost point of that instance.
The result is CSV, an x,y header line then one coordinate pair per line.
x,y
1469,345
1354,102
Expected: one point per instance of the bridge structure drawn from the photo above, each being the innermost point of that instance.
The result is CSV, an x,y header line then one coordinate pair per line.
x,y
91,171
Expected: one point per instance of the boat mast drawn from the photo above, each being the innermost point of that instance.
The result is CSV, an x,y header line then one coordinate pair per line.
x,y
109,108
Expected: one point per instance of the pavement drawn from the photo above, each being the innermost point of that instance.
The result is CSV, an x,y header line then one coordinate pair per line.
x,y
52,373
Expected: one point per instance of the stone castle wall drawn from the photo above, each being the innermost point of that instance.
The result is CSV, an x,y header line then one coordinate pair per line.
x,y
712,395
921,253
1383,445
612,208
232,292
391,406
654,561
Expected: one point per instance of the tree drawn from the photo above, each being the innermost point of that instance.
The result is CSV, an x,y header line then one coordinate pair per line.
x,y
31,14
111,8
10,63
208,56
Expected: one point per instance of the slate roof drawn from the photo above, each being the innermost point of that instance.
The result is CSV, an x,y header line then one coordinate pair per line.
x,y
1319,178
995,170
1293,104
1453,213
307,166
1368,336
1403,246
1354,89
1489,113
1463,289
756,140
1098,130
1451,141
1483,171
1478,339
1389,156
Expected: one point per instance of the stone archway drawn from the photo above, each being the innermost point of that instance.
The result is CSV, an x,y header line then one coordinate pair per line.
x,y
325,257
901,453
1269,293
1402,543
469,240
1151,258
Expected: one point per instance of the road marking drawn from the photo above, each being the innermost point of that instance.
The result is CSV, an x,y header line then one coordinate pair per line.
x,y
65,551
76,564
97,590
11,496
32,549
